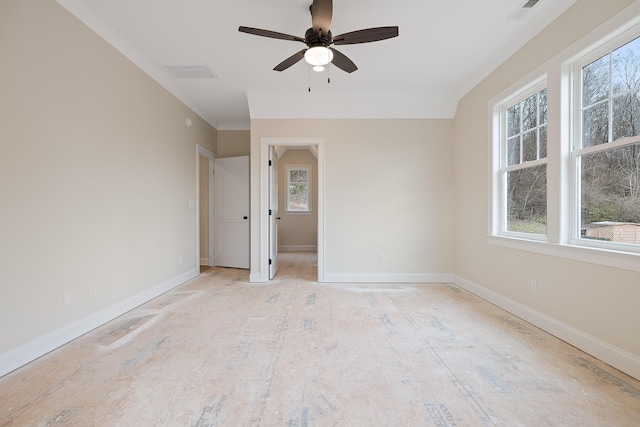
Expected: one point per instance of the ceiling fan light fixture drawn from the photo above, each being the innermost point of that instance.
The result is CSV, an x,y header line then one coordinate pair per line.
x,y
318,55
318,68
318,38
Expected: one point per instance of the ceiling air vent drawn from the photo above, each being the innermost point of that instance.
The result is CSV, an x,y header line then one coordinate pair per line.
x,y
523,10
191,71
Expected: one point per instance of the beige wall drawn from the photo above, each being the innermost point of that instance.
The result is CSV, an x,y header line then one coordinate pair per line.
x,y
233,143
97,185
594,299
97,178
297,230
388,190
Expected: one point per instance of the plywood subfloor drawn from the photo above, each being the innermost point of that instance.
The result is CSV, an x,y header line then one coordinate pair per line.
x,y
219,351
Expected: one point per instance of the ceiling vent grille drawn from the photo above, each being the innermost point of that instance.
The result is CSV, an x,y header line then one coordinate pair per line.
x,y
523,10
201,71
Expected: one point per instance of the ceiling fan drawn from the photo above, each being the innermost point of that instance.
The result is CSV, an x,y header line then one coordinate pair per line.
x,y
319,39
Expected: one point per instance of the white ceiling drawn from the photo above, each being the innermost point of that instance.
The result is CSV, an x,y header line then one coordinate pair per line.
x,y
445,47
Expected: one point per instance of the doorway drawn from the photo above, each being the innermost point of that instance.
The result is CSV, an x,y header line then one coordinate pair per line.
x,y
204,208
265,240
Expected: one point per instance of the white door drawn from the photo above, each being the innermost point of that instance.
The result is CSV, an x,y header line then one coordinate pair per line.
x,y
273,213
231,212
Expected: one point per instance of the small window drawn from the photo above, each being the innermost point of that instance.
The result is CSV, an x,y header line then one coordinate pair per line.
x,y
298,188
523,163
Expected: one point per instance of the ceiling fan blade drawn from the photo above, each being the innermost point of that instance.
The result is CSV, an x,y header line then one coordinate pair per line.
x,y
341,61
366,36
270,34
290,61
321,14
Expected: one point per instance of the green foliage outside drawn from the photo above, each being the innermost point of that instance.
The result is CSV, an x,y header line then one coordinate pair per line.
x,y
527,226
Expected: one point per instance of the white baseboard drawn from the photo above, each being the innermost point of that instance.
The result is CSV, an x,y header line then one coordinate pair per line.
x,y
298,248
20,356
614,356
204,261
387,278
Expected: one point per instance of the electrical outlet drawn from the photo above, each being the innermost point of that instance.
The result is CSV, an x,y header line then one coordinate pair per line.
x,y
381,259
66,298
534,285
180,259
92,289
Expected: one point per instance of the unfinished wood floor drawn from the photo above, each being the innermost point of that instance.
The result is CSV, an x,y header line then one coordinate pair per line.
x,y
219,351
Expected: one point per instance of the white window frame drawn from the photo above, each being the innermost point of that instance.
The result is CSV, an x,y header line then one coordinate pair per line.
x,y
562,185
288,169
500,166
576,149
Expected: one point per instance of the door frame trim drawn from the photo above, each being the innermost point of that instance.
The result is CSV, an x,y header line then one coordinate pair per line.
x,y
265,143
203,152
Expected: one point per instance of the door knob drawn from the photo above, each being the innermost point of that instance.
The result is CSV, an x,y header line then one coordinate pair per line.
x,y
278,218
245,217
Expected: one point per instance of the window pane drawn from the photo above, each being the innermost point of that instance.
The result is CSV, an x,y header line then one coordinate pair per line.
x,y
513,151
610,201
543,142
523,121
626,115
595,126
595,81
543,106
298,203
530,113
298,175
625,73
513,120
298,190
527,200
529,146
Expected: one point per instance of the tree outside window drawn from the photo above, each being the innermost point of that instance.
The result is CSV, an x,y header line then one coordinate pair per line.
x,y
524,164
607,156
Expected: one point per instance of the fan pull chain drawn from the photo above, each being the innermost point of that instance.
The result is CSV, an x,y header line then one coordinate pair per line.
x,y
309,79
328,73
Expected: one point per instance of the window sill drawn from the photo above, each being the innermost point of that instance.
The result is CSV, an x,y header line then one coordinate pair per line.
x,y
606,257
298,213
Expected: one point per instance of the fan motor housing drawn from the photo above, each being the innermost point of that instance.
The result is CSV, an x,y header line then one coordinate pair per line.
x,y
313,39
